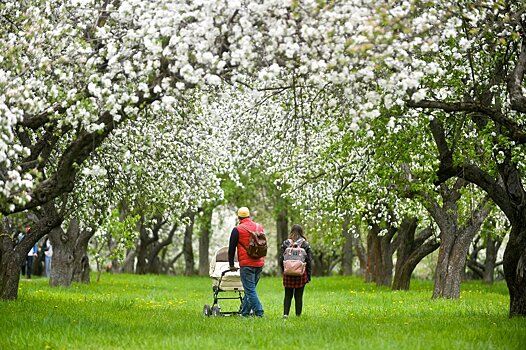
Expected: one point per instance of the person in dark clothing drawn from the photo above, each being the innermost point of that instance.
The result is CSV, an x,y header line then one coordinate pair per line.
x,y
295,285
250,268
29,258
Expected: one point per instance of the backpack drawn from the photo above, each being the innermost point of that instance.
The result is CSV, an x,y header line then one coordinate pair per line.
x,y
294,259
257,245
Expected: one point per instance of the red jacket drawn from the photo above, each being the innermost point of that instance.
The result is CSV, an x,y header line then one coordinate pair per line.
x,y
244,237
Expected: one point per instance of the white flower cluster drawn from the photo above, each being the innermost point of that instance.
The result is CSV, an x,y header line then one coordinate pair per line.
x,y
313,74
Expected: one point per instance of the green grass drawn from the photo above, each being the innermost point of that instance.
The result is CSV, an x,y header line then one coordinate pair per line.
x,y
164,312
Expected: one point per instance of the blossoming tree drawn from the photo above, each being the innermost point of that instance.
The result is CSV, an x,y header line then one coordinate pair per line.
x,y
75,70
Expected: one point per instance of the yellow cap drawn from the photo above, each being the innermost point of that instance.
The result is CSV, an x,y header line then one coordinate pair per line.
x,y
243,212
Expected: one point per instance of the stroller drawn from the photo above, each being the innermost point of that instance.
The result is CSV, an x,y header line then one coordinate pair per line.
x,y
224,280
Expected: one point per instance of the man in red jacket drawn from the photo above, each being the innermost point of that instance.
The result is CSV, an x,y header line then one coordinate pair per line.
x,y
250,268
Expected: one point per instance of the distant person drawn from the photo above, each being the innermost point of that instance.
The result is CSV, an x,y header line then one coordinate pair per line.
x,y
48,252
250,268
295,285
30,256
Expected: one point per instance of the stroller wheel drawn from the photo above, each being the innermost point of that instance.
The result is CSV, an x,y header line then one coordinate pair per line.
x,y
216,311
206,310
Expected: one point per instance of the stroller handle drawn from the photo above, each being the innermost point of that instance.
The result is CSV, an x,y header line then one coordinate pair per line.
x,y
224,272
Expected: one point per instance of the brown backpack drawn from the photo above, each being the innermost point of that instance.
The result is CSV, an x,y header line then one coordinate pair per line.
x,y
257,245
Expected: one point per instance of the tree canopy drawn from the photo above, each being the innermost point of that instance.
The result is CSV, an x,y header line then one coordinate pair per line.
x,y
348,106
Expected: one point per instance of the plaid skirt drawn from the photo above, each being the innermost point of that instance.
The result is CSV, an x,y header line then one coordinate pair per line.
x,y
295,281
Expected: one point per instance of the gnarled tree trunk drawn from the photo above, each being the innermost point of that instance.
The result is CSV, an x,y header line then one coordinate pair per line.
x,y
12,256
454,240
149,247
380,250
411,251
70,262
492,248
13,253
485,270
155,262
515,267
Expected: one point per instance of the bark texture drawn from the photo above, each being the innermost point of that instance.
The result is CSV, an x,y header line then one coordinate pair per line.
x,y
454,238
204,241
70,262
282,232
411,251
151,244
380,250
13,253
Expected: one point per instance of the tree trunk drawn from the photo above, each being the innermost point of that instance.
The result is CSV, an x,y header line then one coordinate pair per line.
x,y
13,253
454,242
411,251
128,265
282,233
141,249
515,266
150,246
11,260
324,263
70,258
154,260
380,251
492,248
451,262
204,248
347,255
360,250
187,247
450,265
204,242
12,257
472,262
81,268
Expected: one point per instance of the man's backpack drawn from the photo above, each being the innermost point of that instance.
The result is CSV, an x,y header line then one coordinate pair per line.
x,y
257,245
294,259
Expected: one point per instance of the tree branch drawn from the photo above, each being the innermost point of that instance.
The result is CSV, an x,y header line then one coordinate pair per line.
x,y
516,132
422,236
469,172
517,98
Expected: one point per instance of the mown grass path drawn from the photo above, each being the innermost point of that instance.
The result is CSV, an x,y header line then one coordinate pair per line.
x,y
164,312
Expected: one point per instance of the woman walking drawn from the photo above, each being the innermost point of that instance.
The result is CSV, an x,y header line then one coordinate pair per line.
x,y
295,285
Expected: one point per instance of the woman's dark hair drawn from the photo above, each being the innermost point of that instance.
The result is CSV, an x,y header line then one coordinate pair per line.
x,y
296,232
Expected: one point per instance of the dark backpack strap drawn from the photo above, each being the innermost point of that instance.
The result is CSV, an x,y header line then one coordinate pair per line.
x,y
252,233
299,242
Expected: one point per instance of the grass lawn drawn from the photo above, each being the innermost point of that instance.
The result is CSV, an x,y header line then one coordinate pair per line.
x,y
165,312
